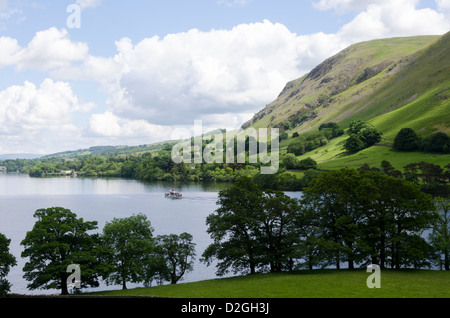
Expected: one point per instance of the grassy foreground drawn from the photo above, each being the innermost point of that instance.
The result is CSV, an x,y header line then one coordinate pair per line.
x,y
307,284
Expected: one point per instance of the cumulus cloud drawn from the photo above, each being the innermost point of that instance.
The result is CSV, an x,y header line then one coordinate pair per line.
x,y
221,77
110,126
51,49
394,18
8,49
187,76
29,112
181,77
443,5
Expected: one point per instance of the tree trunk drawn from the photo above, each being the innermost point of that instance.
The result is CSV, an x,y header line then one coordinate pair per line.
x,y
446,262
338,261
64,290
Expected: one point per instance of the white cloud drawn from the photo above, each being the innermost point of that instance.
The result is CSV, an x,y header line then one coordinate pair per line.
x,y
222,76
51,49
159,84
181,77
394,18
8,49
111,126
28,112
443,5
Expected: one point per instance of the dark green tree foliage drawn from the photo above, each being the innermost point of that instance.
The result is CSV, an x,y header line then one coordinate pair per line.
x,y
371,214
331,130
438,142
354,143
406,140
57,240
357,217
336,196
389,170
278,231
307,163
440,235
7,260
129,247
362,135
253,230
290,162
232,228
178,255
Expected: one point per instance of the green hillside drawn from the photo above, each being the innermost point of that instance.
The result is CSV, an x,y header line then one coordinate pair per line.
x,y
365,81
391,83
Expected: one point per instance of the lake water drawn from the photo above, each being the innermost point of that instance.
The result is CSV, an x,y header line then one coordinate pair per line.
x,y
102,200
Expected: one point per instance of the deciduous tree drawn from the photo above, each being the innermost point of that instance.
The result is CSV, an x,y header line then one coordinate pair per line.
x,y
129,245
7,260
57,240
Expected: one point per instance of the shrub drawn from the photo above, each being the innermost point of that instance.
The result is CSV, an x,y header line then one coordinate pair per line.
x,y
406,140
362,135
307,163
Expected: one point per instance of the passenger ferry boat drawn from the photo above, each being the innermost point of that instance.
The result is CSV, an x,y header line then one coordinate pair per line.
x,y
173,195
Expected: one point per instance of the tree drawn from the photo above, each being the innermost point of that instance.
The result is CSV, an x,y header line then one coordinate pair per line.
x,y
129,246
290,161
354,144
178,253
362,135
57,240
440,235
253,230
406,140
278,230
396,215
232,228
439,142
333,128
297,148
339,200
7,260
388,169
366,214
307,163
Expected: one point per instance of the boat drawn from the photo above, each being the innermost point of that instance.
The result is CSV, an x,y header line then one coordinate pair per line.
x,y
173,195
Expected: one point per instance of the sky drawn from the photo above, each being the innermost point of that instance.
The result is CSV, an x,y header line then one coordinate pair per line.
x,y
82,73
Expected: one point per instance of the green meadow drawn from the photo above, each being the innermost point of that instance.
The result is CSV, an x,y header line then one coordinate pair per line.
x,y
306,284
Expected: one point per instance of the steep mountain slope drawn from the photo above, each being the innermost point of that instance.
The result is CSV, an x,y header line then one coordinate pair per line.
x,y
393,83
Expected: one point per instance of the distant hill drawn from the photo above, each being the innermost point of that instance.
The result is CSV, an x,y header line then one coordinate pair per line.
x,y
111,150
19,156
397,82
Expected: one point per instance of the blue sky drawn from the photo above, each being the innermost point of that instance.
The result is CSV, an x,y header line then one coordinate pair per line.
x,y
136,71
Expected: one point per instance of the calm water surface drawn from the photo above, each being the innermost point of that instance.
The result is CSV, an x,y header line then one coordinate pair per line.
x,y
102,200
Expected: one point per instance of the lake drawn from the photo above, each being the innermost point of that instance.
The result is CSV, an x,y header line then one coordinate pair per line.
x,y
102,200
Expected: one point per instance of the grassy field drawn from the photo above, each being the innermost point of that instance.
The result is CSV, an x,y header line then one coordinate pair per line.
x,y
307,284
333,156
